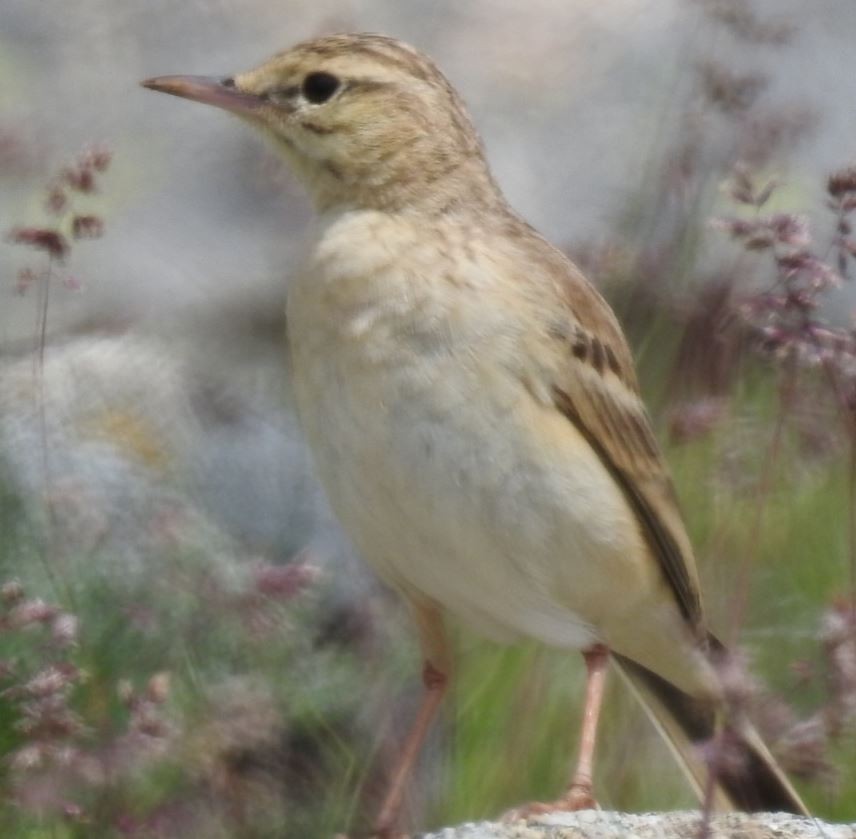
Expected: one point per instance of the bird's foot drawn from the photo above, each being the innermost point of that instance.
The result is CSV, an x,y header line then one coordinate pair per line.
x,y
580,796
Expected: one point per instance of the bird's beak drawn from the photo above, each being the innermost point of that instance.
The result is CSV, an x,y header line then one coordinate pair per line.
x,y
221,93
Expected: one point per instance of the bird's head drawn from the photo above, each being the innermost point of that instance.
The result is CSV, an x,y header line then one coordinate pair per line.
x,y
365,121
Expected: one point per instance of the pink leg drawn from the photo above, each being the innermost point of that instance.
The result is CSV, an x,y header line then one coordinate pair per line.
x,y
581,788
435,677
580,793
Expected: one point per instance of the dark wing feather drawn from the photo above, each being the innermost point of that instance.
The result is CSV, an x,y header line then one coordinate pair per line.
x,y
599,394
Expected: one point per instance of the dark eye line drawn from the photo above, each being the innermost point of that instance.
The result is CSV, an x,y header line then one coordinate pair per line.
x,y
292,91
365,84
289,92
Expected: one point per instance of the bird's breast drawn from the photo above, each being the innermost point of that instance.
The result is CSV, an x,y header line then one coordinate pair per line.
x,y
449,477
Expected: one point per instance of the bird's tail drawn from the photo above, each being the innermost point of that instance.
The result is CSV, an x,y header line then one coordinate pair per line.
x,y
747,778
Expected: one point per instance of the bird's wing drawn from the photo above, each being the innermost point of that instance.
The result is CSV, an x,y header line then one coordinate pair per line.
x,y
596,389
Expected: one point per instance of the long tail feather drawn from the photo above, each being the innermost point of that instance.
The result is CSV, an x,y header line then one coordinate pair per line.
x,y
753,782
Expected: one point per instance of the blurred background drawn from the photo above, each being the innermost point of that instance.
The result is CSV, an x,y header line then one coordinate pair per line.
x,y
187,644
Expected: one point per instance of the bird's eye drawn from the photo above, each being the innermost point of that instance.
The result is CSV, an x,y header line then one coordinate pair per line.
x,y
319,87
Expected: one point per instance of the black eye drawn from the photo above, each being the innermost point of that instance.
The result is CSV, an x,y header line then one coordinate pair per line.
x,y
319,87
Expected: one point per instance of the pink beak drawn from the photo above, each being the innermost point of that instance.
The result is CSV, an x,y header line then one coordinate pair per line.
x,y
221,93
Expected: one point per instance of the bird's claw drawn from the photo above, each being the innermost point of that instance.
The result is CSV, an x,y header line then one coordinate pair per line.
x,y
578,797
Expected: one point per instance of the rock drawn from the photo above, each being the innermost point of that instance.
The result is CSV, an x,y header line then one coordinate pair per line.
x,y
591,824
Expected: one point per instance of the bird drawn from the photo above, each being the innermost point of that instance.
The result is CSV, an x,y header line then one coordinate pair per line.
x,y
473,411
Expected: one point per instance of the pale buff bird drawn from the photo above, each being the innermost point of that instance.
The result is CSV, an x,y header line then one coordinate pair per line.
x,y
472,406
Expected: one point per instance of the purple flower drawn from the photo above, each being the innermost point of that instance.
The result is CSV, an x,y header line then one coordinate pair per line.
x,y
43,238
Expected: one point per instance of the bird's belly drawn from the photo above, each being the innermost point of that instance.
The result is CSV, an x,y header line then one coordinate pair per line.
x,y
461,490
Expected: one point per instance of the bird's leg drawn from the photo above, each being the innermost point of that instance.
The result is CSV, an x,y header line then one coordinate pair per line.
x,y
435,678
580,792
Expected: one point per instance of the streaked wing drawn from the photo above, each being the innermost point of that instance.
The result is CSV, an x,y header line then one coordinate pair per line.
x,y
597,391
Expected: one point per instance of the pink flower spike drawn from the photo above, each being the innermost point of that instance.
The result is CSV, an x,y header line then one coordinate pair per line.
x,y
43,238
